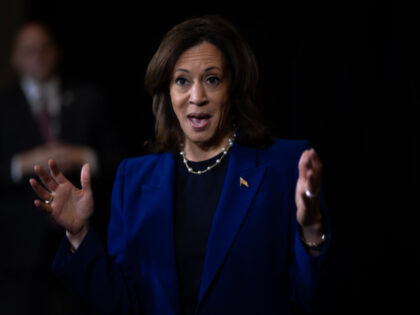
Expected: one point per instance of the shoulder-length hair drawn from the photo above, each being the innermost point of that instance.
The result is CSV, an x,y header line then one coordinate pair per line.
x,y
243,71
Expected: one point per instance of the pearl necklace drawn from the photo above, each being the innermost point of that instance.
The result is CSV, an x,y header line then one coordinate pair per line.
x,y
224,151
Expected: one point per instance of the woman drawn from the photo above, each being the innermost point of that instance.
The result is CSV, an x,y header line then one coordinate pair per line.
x,y
221,219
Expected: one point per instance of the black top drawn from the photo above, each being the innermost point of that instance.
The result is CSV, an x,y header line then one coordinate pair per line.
x,y
196,199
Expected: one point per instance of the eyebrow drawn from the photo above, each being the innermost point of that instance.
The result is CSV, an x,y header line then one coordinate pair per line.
x,y
205,70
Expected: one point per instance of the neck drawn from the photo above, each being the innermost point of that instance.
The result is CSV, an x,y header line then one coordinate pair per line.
x,y
200,151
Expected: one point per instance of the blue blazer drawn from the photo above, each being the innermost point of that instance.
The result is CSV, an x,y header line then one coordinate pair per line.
x,y
254,263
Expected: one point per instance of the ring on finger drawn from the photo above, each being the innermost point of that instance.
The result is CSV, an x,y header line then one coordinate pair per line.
x,y
49,201
309,194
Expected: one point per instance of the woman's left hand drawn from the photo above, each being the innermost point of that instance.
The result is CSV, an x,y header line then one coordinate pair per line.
x,y
307,194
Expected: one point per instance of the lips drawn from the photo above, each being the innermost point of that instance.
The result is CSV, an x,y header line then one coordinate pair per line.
x,y
199,121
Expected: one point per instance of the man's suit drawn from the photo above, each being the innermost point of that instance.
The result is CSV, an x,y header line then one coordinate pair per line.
x,y
28,235
255,262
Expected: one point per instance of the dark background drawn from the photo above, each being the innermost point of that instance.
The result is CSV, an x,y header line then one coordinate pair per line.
x,y
343,75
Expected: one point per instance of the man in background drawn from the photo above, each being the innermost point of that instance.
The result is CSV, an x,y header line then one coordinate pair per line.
x,y
44,117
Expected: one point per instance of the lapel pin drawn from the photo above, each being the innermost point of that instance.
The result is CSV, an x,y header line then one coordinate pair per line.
x,y
243,182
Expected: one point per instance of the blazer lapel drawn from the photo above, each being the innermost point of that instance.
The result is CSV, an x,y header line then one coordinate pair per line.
x,y
242,181
160,206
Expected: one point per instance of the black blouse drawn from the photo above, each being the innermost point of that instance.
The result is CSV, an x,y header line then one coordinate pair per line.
x,y
196,199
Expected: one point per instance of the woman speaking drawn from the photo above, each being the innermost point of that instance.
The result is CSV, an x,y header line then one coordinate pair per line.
x,y
220,218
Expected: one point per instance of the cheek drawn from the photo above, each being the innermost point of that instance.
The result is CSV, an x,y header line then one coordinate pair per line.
x,y
177,98
222,101
51,59
177,103
223,109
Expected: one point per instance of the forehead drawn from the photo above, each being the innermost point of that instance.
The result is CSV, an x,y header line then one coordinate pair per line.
x,y
32,34
201,55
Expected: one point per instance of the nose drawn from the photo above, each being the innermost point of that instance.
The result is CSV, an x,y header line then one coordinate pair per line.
x,y
198,95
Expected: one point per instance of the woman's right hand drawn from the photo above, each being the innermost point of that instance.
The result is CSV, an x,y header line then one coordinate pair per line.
x,y
69,206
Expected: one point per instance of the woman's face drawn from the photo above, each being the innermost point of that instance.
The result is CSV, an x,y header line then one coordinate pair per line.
x,y
199,92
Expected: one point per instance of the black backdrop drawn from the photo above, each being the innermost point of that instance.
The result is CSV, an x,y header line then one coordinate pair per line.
x,y
343,75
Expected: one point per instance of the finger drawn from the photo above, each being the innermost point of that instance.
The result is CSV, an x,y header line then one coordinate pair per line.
x,y
39,204
310,172
317,168
304,163
85,177
46,179
56,173
315,161
42,193
310,161
312,186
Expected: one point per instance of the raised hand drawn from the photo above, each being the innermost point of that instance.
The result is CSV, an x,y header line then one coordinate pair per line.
x,y
69,206
307,199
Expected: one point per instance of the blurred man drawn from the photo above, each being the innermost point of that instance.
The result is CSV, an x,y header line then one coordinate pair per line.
x,y
41,117
35,58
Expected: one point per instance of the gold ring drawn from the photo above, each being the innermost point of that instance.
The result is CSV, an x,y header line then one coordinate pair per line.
x,y
310,194
47,202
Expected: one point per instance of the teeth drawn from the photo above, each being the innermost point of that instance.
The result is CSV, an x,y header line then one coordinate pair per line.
x,y
198,122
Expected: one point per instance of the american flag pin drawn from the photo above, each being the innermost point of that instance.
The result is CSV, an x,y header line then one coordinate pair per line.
x,y
243,182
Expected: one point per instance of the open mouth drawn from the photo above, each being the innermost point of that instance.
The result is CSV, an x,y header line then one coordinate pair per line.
x,y
199,121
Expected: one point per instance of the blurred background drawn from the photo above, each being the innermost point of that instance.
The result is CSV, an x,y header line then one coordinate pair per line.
x,y
344,75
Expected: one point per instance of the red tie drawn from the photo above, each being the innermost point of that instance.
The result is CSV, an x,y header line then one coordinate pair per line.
x,y
44,121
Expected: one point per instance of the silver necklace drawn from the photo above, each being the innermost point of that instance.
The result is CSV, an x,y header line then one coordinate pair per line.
x,y
200,172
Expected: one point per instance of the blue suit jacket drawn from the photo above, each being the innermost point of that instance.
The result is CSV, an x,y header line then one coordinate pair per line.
x,y
254,262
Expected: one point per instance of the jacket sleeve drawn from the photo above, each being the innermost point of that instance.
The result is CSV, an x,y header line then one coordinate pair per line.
x,y
101,279
305,271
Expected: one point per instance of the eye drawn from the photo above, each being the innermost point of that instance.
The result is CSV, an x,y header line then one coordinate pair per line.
x,y
213,80
181,81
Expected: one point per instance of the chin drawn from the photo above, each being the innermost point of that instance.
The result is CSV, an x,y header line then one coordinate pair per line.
x,y
200,138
